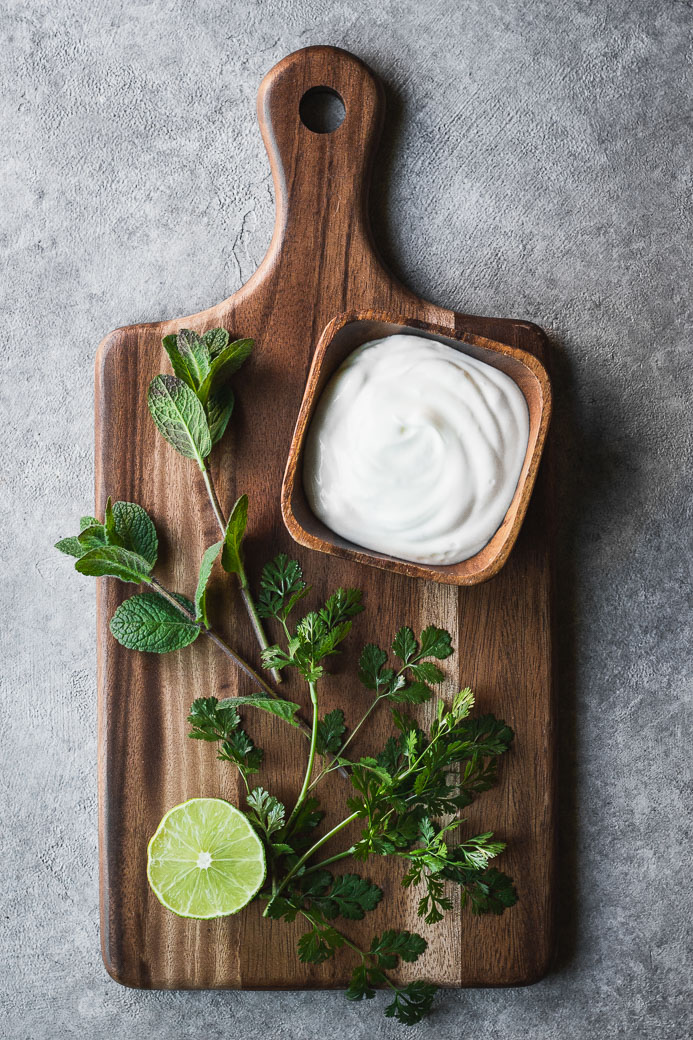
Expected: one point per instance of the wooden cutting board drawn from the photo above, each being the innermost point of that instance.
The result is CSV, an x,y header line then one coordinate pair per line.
x,y
321,261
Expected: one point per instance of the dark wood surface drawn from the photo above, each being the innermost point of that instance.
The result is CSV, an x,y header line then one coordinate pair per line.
x,y
321,262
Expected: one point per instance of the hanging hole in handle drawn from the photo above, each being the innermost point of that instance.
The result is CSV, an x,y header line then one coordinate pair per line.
x,y
321,110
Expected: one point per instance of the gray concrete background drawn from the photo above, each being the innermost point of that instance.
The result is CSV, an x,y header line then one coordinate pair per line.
x,y
536,164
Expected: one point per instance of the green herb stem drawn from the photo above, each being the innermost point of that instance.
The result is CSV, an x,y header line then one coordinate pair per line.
x,y
213,498
215,638
340,753
242,578
313,849
230,652
311,756
331,859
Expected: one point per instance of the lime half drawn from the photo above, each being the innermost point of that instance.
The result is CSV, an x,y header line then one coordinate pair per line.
x,y
205,859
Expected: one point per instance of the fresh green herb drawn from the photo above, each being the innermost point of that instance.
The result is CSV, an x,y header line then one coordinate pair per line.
x,y
191,410
407,796
150,623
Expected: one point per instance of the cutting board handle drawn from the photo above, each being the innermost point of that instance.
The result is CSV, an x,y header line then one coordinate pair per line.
x,y
321,179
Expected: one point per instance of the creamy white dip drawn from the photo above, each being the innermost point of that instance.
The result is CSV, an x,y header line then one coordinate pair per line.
x,y
415,450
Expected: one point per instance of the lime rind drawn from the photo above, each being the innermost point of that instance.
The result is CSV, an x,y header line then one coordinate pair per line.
x,y
214,833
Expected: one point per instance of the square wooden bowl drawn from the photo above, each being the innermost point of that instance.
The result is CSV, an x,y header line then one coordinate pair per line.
x,y
343,335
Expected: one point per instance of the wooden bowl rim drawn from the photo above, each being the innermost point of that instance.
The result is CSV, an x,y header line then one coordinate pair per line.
x,y
447,574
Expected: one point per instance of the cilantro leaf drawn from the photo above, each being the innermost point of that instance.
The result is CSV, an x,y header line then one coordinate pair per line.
x,y
412,1002
371,663
354,896
319,944
435,642
408,946
413,693
211,720
341,605
239,749
427,672
331,732
404,645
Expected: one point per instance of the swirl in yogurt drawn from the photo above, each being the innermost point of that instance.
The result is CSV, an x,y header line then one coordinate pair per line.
x,y
415,450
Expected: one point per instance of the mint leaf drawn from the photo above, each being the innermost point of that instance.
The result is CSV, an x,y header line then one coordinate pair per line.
x,y
88,521
226,362
231,559
285,710
179,363
109,525
195,353
115,561
135,530
180,418
404,645
148,622
71,547
435,642
219,408
208,559
215,341
92,537
330,732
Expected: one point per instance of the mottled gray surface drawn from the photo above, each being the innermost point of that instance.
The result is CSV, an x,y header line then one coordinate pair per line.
x,y
536,164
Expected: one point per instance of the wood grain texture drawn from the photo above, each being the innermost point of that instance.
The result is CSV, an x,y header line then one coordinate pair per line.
x,y
321,262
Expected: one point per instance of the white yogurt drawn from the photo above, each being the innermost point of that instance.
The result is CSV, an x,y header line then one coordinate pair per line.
x,y
415,450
